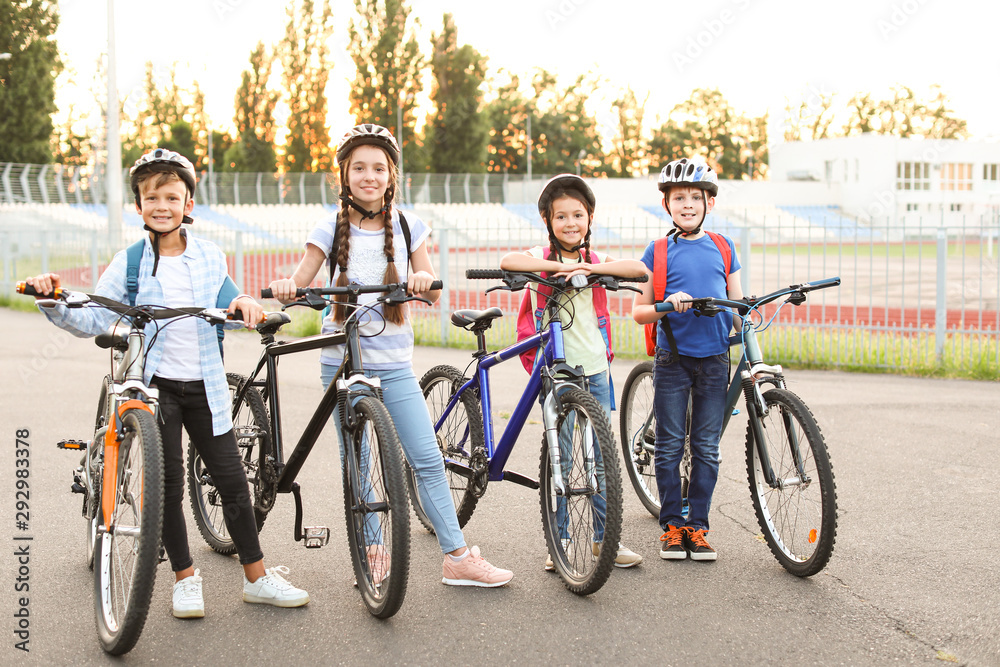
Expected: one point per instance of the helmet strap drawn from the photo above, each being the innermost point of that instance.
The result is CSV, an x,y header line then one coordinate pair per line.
x,y
677,232
156,239
365,213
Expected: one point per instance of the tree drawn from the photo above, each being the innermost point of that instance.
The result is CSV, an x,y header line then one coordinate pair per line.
x,y
384,48
255,127
27,80
457,130
708,126
628,153
306,65
809,117
903,114
564,134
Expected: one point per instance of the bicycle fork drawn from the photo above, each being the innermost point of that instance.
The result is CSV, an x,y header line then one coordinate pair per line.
x,y
757,408
550,418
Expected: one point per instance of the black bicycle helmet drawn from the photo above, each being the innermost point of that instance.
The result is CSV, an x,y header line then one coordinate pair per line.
x,y
368,134
567,181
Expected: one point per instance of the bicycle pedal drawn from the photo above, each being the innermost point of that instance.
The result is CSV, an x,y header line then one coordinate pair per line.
x,y
72,444
315,537
77,488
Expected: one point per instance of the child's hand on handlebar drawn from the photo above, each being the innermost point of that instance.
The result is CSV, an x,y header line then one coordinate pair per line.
x,y
679,300
252,311
283,289
419,282
576,270
45,284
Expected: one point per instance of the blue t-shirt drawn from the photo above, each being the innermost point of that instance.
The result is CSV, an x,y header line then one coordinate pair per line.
x,y
696,267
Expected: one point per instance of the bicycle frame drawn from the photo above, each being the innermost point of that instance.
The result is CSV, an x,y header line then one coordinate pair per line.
x,y
550,362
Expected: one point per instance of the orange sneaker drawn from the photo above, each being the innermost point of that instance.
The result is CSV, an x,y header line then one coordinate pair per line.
x,y
697,545
673,544
473,570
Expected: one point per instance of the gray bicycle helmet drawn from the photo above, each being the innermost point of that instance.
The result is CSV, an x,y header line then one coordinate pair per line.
x,y
689,172
368,134
569,181
163,160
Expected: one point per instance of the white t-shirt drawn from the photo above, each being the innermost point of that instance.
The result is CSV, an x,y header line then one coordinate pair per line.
x,y
177,335
582,342
385,346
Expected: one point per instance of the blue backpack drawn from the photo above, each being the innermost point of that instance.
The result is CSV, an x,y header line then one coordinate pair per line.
x,y
133,253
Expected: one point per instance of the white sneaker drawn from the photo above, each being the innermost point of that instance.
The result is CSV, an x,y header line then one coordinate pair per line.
x,y
188,600
273,589
625,557
549,565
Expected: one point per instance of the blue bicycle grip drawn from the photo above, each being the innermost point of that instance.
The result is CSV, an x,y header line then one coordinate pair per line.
x,y
664,307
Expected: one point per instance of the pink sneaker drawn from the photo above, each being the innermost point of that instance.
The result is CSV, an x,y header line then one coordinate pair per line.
x,y
473,570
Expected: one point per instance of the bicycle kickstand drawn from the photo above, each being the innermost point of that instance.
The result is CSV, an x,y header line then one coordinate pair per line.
x,y
314,536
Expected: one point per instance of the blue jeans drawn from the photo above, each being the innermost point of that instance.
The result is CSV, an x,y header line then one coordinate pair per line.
x,y
706,380
600,389
405,402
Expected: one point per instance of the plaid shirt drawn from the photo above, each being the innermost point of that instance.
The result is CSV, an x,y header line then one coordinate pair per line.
x,y
207,264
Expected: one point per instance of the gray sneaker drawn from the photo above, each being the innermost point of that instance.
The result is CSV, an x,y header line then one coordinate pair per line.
x,y
188,599
273,589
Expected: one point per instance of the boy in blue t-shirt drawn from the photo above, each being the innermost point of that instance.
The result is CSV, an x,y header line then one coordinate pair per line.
x,y
692,356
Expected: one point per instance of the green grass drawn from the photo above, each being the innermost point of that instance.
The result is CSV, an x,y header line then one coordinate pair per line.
x,y
969,356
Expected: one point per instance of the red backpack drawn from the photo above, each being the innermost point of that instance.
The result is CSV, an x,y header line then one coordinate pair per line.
x,y
530,322
660,280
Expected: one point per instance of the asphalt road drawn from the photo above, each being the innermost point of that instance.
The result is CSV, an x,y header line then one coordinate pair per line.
x,y
913,579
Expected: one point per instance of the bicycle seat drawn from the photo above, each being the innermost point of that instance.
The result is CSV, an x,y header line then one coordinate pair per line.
x,y
475,318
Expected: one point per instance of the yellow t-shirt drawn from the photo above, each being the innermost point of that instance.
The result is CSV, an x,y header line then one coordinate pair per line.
x,y
582,342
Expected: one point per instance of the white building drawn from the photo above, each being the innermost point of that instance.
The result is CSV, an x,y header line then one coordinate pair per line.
x,y
905,180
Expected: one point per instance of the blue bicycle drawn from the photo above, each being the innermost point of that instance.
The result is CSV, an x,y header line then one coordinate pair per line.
x,y
580,482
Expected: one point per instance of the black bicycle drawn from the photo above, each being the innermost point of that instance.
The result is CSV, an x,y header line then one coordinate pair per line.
x,y
375,494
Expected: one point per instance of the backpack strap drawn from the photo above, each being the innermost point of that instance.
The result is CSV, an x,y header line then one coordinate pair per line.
x,y
134,255
723,245
660,248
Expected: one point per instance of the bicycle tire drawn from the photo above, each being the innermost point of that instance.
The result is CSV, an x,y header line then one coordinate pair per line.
x,y
379,526
636,435
637,438
91,459
799,521
573,556
125,560
250,426
460,439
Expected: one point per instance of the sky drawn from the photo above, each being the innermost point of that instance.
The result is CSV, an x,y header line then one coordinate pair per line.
x,y
759,53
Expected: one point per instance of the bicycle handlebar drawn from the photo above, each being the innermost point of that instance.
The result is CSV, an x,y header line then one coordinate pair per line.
x,y
711,306
518,280
315,297
147,311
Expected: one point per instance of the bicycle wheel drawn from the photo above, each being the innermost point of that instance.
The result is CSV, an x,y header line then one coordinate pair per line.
x,y
250,427
378,519
798,515
91,459
126,554
638,429
460,439
637,435
569,521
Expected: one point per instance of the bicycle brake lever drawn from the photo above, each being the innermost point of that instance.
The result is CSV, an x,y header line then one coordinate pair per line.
x,y
797,298
311,300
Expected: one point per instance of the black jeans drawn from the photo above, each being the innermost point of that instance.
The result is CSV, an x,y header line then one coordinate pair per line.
x,y
185,403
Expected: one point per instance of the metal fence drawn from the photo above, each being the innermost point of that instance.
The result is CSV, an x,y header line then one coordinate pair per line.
x,y
914,298
60,184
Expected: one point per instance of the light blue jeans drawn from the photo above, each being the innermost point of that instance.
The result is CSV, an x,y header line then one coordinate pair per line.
x,y
405,402
601,390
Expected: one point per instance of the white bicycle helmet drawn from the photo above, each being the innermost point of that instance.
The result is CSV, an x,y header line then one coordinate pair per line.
x,y
689,172
368,134
161,159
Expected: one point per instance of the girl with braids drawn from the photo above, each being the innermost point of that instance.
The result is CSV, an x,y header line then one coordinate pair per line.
x,y
366,244
566,204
